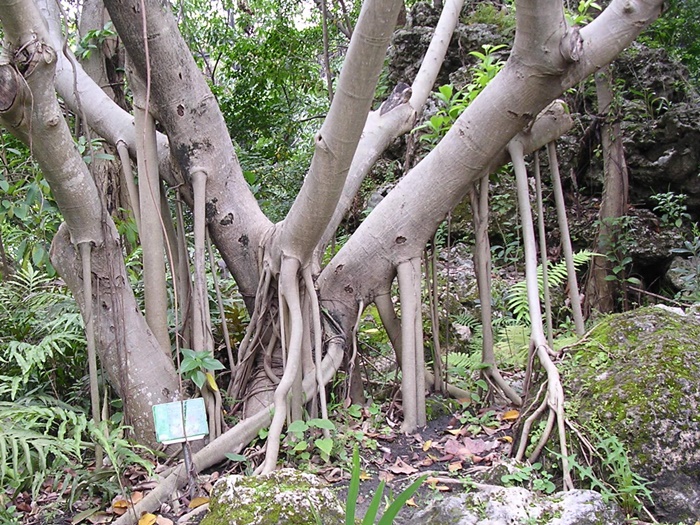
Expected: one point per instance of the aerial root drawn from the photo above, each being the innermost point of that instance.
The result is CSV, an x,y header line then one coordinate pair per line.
x,y
553,402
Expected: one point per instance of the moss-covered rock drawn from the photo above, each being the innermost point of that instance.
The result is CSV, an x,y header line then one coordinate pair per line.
x,y
284,497
637,374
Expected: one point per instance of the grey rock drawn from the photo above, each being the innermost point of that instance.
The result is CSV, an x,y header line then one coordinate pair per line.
x,y
494,505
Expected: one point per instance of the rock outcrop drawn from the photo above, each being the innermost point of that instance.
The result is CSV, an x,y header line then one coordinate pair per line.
x,y
636,376
490,505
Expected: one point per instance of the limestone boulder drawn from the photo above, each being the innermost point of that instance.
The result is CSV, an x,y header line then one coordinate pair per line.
x,y
636,376
283,497
494,505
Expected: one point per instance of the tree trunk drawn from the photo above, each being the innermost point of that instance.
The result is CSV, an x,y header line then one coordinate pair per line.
x,y
603,287
131,356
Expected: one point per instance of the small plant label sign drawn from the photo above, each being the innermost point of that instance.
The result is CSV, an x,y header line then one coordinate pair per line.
x,y
169,418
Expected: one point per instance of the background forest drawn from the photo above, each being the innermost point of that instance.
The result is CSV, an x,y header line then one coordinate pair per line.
x,y
273,68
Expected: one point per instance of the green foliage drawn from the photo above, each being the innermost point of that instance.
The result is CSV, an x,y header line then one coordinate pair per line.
x,y
29,216
194,365
92,149
370,517
93,39
689,275
556,275
41,335
582,16
9,515
671,208
262,61
533,476
617,240
653,105
38,438
611,473
501,16
455,102
678,31
301,446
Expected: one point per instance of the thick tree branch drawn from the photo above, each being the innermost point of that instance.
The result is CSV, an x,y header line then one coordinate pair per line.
x,y
337,140
49,138
474,147
199,140
387,123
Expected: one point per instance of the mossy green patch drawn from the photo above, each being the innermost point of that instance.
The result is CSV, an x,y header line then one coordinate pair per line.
x,y
286,496
637,375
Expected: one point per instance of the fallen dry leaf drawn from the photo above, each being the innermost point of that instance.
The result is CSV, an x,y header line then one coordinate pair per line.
x,y
454,467
427,445
507,439
99,517
411,502
198,502
364,476
510,415
147,519
479,446
120,506
455,448
401,467
162,520
386,476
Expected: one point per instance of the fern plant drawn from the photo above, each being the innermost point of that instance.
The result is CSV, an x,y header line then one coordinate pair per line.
x,y
41,334
37,439
556,276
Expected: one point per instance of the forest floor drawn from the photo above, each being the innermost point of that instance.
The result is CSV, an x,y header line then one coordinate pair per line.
x,y
457,444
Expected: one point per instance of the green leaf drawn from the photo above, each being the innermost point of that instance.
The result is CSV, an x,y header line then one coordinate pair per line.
x,y
198,378
322,423
373,508
325,445
298,427
188,365
400,501
353,489
38,255
240,458
211,363
355,411
301,446
4,185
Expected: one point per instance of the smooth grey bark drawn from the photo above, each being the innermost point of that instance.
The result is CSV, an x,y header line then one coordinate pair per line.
x,y
35,111
563,221
337,141
548,57
198,138
386,124
152,228
124,342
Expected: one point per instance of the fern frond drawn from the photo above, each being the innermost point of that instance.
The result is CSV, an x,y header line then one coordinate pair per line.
x,y
556,276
